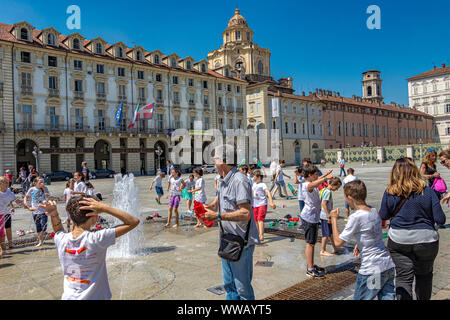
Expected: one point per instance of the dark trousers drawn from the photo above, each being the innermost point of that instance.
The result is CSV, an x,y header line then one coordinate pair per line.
x,y
413,261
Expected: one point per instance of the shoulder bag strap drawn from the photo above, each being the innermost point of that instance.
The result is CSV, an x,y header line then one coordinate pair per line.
x,y
399,206
220,222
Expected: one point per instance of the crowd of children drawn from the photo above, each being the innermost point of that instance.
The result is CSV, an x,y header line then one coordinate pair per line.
x,y
314,193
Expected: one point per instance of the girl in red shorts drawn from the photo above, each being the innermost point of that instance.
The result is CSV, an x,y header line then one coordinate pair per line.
x,y
260,194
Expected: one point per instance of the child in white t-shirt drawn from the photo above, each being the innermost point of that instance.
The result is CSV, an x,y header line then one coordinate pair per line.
x,y
310,215
376,274
38,193
82,253
176,187
349,178
79,187
298,180
89,189
325,220
199,191
6,198
260,194
158,186
66,197
185,194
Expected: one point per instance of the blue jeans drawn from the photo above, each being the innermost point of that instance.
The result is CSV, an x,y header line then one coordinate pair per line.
x,y
237,276
382,286
342,171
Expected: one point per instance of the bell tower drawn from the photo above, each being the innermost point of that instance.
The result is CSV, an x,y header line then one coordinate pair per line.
x,y
239,53
372,85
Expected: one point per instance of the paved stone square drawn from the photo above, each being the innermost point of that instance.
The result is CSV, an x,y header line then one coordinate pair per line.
x,y
183,263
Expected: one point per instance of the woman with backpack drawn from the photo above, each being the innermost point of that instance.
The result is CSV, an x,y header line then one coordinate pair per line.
x,y
428,171
413,243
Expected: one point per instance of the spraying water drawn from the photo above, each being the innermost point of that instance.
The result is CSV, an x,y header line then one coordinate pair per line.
x,y
126,198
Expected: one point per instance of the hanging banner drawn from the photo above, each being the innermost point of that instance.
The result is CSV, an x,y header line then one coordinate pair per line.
x,y
275,107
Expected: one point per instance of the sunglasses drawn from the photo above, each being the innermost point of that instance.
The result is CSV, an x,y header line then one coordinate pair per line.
x,y
443,161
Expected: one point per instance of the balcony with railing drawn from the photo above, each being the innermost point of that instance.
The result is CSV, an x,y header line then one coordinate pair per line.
x,y
239,109
101,97
176,102
142,101
220,108
122,98
78,95
230,109
26,90
53,93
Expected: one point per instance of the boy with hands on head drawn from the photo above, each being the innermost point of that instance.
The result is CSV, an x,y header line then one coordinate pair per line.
x,y
82,253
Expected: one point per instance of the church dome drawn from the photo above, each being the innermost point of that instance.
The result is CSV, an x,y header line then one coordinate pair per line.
x,y
237,19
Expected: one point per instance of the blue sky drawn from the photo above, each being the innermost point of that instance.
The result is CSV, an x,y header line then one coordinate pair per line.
x,y
321,44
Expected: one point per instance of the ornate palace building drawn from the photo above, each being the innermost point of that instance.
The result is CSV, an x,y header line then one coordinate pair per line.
x,y
429,92
60,94
299,120
367,121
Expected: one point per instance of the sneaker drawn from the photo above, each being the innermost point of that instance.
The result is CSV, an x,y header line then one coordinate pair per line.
x,y
314,274
320,269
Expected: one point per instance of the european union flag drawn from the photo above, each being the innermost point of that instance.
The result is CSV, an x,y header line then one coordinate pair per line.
x,y
119,115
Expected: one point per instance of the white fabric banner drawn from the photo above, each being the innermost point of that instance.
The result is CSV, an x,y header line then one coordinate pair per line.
x,y
275,107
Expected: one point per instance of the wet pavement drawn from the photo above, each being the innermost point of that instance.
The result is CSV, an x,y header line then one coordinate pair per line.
x,y
183,263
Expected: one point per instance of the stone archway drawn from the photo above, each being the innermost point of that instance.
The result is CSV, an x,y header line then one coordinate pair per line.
x,y
102,155
24,155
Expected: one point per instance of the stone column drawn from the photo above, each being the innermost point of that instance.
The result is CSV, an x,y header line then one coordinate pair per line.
x,y
410,151
339,153
115,162
380,154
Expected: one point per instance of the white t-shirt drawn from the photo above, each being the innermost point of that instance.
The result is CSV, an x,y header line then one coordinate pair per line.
x,y
200,196
5,200
189,185
326,195
80,187
67,193
273,167
280,173
259,194
311,210
158,181
365,227
300,194
175,186
37,197
83,264
349,178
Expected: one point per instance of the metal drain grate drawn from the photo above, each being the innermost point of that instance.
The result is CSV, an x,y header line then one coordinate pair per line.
x,y
219,290
264,263
319,289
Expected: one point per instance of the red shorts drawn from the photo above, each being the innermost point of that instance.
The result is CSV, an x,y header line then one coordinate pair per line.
x,y
260,213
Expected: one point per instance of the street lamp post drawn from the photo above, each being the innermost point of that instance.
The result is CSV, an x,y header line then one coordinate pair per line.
x,y
36,152
371,151
159,152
